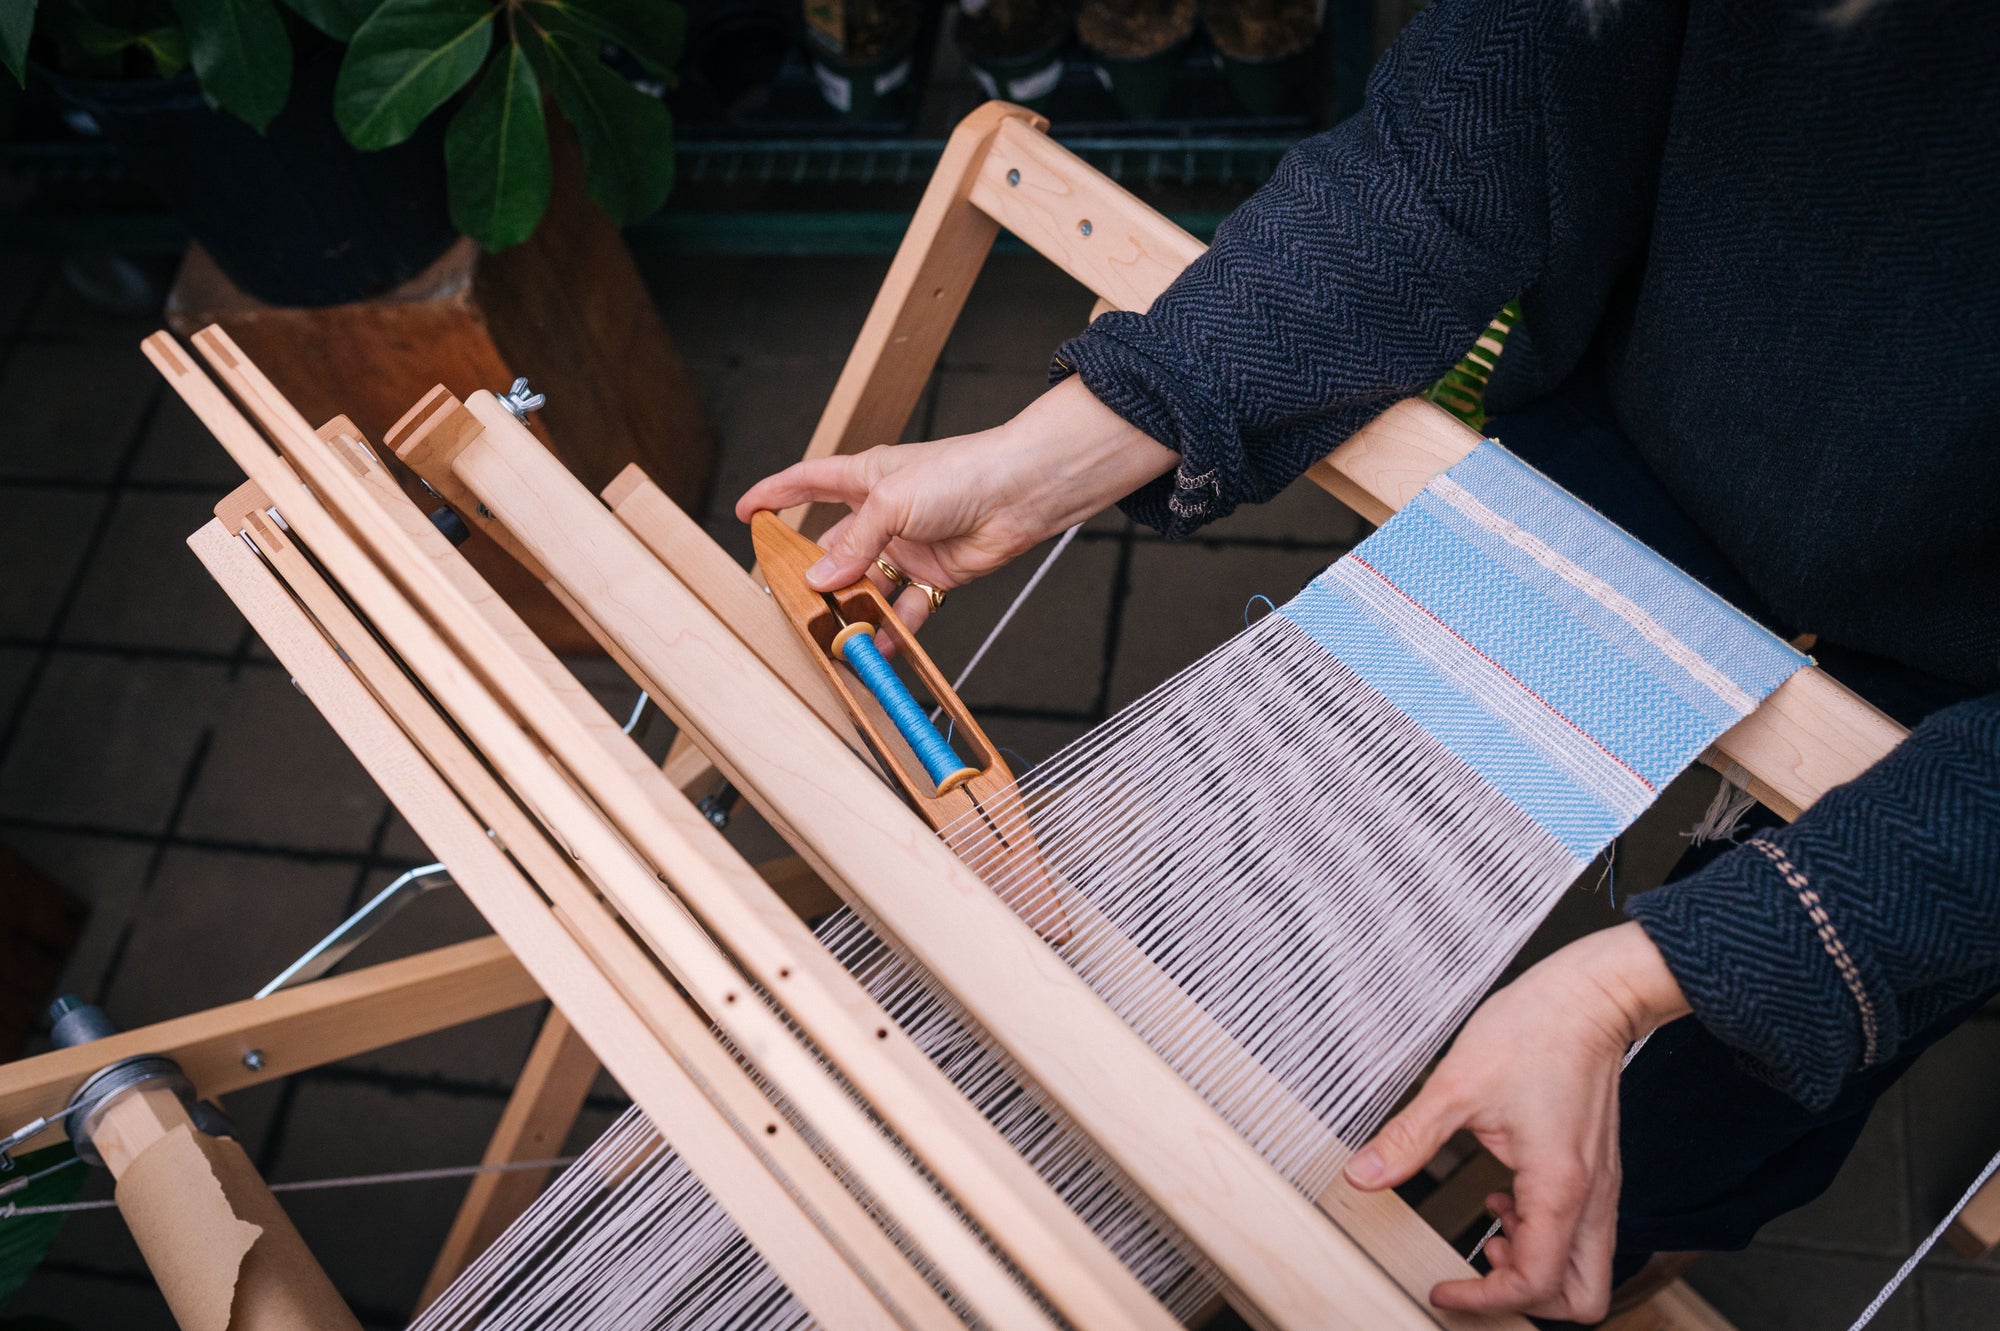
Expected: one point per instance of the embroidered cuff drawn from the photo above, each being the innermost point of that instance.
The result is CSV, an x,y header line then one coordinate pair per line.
x,y
1139,382
1759,952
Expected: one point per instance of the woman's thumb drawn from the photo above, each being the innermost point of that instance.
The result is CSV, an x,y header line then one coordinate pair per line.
x,y
1405,1143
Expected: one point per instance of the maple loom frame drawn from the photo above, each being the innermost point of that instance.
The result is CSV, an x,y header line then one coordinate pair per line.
x,y
570,942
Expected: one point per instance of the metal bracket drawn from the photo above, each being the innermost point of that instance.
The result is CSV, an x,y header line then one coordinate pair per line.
x,y
324,955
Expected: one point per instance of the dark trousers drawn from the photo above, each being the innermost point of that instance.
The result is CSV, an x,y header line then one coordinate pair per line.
x,y
1710,1152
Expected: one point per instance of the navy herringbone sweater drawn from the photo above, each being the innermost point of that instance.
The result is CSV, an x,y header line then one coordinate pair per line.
x,y
1781,239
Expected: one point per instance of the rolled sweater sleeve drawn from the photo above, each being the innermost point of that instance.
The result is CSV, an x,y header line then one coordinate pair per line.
x,y
1814,950
1498,137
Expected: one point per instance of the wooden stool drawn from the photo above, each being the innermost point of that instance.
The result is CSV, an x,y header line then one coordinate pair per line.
x,y
567,309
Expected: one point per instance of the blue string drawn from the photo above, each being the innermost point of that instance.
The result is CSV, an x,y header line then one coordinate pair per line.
x,y
1252,601
867,662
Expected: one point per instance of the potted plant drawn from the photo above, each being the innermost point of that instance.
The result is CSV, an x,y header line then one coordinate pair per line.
x,y
1266,48
861,51
224,108
317,176
1015,47
1137,48
410,57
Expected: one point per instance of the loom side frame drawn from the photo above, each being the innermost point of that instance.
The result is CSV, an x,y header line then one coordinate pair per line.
x,y
658,825
1002,170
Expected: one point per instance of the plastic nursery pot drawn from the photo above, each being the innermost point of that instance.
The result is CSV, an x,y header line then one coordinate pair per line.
x,y
737,56
1014,47
1269,85
861,51
295,216
856,91
1266,48
1136,46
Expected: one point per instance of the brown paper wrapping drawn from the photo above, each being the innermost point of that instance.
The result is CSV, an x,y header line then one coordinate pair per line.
x,y
224,1253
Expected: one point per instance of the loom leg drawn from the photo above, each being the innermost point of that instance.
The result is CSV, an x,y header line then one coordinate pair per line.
x,y
539,1115
1976,1232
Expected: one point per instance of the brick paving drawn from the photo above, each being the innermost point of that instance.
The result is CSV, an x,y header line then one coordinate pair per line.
x,y
155,760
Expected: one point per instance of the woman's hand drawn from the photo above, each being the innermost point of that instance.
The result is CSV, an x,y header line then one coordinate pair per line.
x,y
1534,1074
951,511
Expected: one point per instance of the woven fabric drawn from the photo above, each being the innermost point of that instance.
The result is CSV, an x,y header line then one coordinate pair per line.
x,y
1569,666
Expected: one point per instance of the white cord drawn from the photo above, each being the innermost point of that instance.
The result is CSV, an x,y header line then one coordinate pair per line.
x,y
1048,562
1930,1241
313,1185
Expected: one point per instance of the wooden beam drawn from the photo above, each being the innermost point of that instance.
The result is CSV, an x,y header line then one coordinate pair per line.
x,y
1030,1227
679,1035
934,269
539,1114
1079,218
761,1205
292,1030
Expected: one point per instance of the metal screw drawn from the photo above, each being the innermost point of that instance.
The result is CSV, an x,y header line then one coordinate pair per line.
x,y
254,1060
519,400
485,512
1014,177
1084,226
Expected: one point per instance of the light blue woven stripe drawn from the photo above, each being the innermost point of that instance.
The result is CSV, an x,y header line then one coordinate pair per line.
x,y
1533,628
1695,696
1586,663
1517,770
1728,639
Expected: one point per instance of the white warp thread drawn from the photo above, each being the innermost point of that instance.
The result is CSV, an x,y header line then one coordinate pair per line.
x,y
1283,883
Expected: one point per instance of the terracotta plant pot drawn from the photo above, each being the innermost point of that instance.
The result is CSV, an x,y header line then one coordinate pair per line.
x,y
1015,47
1136,46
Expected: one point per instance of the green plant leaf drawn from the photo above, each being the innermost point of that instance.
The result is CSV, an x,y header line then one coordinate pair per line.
x,y
404,62
167,45
338,19
496,155
653,31
241,53
627,137
17,24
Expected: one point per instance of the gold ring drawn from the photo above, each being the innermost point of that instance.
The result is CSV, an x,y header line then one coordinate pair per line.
x,y
934,595
892,573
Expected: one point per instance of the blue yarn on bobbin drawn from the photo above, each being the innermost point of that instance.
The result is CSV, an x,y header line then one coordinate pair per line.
x,y
858,649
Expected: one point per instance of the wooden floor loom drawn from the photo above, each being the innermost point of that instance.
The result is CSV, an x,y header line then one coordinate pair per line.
x,y
611,894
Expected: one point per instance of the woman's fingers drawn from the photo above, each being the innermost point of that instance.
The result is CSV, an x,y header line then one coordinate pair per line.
x,y
913,607
840,479
1539,1266
855,543
1407,1141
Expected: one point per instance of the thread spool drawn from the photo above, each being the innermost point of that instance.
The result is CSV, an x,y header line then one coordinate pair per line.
x,y
855,645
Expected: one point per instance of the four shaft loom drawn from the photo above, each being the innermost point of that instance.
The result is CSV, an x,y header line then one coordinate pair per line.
x,y
1076,1049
